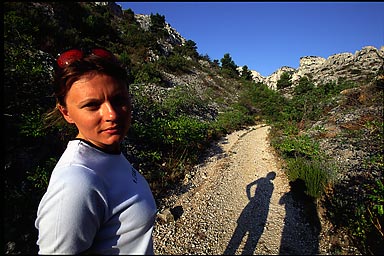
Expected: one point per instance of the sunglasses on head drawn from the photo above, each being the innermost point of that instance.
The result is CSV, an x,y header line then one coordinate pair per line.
x,y
69,56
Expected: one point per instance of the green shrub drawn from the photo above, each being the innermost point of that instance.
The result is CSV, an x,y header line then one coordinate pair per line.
x,y
147,73
316,173
304,86
284,81
32,125
182,132
291,129
263,99
41,175
305,161
174,63
376,206
368,222
232,120
184,101
297,146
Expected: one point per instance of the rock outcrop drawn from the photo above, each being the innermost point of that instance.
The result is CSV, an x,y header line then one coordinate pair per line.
x,y
361,66
115,8
166,44
271,80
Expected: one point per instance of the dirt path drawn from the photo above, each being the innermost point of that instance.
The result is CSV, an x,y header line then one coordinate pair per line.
x,y
240,202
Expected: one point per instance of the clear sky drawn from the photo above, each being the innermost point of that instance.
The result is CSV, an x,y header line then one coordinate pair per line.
x,y
268,35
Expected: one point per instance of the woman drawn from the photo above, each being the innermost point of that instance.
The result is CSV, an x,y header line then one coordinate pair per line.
x,y
96,202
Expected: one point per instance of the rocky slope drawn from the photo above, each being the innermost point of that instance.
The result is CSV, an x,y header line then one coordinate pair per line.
x,y
360,66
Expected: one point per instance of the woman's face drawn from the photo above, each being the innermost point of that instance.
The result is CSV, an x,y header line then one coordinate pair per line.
x,y
100,107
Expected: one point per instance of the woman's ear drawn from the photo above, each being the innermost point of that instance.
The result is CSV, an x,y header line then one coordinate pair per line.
x,y
64,111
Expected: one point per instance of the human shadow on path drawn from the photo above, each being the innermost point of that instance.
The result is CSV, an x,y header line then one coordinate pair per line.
x,y
301,223
254,216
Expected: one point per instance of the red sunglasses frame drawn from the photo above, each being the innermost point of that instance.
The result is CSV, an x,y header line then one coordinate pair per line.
x,y
67,57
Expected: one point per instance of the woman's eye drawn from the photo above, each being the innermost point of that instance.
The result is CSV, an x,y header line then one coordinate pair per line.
x,y
92,105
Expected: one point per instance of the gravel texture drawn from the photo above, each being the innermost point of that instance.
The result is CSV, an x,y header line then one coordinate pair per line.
x,y
239,201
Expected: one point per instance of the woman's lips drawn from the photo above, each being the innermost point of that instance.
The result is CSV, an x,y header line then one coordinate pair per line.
x,y
112,130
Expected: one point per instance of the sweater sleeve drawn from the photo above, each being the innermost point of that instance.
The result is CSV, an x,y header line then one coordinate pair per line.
x,y
70,212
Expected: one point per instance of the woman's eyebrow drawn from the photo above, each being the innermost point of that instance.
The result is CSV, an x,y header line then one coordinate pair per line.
x,y
88,100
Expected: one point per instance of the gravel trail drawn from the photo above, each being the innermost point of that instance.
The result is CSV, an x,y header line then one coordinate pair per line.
x,y
239,201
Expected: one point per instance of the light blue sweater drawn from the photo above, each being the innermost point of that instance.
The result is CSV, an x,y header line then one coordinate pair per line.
x,y
95,202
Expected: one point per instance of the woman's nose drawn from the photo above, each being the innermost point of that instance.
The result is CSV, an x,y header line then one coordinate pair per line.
x,y
109,112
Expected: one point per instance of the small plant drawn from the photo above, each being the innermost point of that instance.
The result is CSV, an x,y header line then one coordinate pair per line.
x,y
40,176
284,81
367,225
376,210
232,120
32,125
319,128
304,86
316,173
147,73
299,146
290,129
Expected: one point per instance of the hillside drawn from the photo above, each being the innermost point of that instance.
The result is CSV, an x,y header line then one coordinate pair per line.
x,y
183,103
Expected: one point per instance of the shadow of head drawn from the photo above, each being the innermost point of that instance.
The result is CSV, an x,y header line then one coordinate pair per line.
x,y
271,175
298,189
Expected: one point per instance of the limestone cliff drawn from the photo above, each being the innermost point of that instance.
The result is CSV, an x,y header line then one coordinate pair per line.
x,y
360,66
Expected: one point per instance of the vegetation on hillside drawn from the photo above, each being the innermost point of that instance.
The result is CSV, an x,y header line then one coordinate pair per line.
x,y
174,120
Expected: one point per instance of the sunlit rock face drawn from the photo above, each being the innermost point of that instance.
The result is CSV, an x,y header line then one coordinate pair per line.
x,y
363,65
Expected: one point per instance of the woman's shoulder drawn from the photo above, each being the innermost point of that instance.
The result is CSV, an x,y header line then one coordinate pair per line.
x,y
75,165
79,152
76,176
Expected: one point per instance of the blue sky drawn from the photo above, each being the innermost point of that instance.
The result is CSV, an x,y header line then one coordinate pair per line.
x,y
268,35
